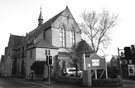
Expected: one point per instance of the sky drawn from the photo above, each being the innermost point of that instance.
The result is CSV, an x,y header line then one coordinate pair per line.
x,y
20,16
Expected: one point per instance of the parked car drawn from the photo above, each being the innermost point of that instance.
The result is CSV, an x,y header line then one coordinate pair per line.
x,y
71,72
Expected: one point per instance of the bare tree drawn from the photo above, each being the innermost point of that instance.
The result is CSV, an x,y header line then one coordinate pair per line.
x,y
96,26
74,62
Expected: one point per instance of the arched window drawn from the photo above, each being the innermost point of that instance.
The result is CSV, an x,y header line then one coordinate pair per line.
x,y
62,36
72,37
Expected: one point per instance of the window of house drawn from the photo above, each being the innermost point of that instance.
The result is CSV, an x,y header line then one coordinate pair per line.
x,y
72,36
67,16
87,55
62,36
47,52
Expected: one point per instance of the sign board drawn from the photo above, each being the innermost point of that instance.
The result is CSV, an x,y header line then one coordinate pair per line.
x,y
131,70
95,62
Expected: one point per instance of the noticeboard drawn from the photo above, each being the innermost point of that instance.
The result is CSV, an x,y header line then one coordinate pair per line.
x,y
95,62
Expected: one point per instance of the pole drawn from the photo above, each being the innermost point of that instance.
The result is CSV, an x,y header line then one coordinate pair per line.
x,y
106,69
49,74
119,64
95,74
84,59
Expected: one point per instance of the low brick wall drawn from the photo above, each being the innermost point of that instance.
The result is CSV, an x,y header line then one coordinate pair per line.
x,y
95,82
70,80
106,82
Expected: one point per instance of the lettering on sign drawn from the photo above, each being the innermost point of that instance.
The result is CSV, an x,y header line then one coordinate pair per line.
x,y
95,62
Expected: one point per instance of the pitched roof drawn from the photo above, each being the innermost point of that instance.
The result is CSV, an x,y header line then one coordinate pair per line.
x,y
95,56
44,44
82,47
44,26
15,41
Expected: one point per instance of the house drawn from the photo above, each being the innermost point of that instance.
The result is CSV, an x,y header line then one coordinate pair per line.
x,y
114,61
56,35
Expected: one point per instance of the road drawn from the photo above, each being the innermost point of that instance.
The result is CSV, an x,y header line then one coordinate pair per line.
x,y
13,83
22,83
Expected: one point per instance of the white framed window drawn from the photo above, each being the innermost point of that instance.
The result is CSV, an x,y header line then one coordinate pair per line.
x,y
62,36
72,37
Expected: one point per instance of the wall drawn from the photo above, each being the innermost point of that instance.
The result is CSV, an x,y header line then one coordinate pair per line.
x,y
48,35
55,37
8,66
29,62
68,24
70,80
39,54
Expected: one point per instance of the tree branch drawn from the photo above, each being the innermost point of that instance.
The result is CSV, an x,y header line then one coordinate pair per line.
x,y
95,26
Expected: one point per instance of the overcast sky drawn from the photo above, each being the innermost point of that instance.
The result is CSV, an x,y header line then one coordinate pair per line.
x,y
20,16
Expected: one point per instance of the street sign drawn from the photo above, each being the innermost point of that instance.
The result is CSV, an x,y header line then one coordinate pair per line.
x,y
131,70
95,62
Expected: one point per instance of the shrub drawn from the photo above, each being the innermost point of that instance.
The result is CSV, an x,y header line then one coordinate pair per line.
x,y
38,67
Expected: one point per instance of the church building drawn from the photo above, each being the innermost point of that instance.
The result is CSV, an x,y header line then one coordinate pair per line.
x,y
55,37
